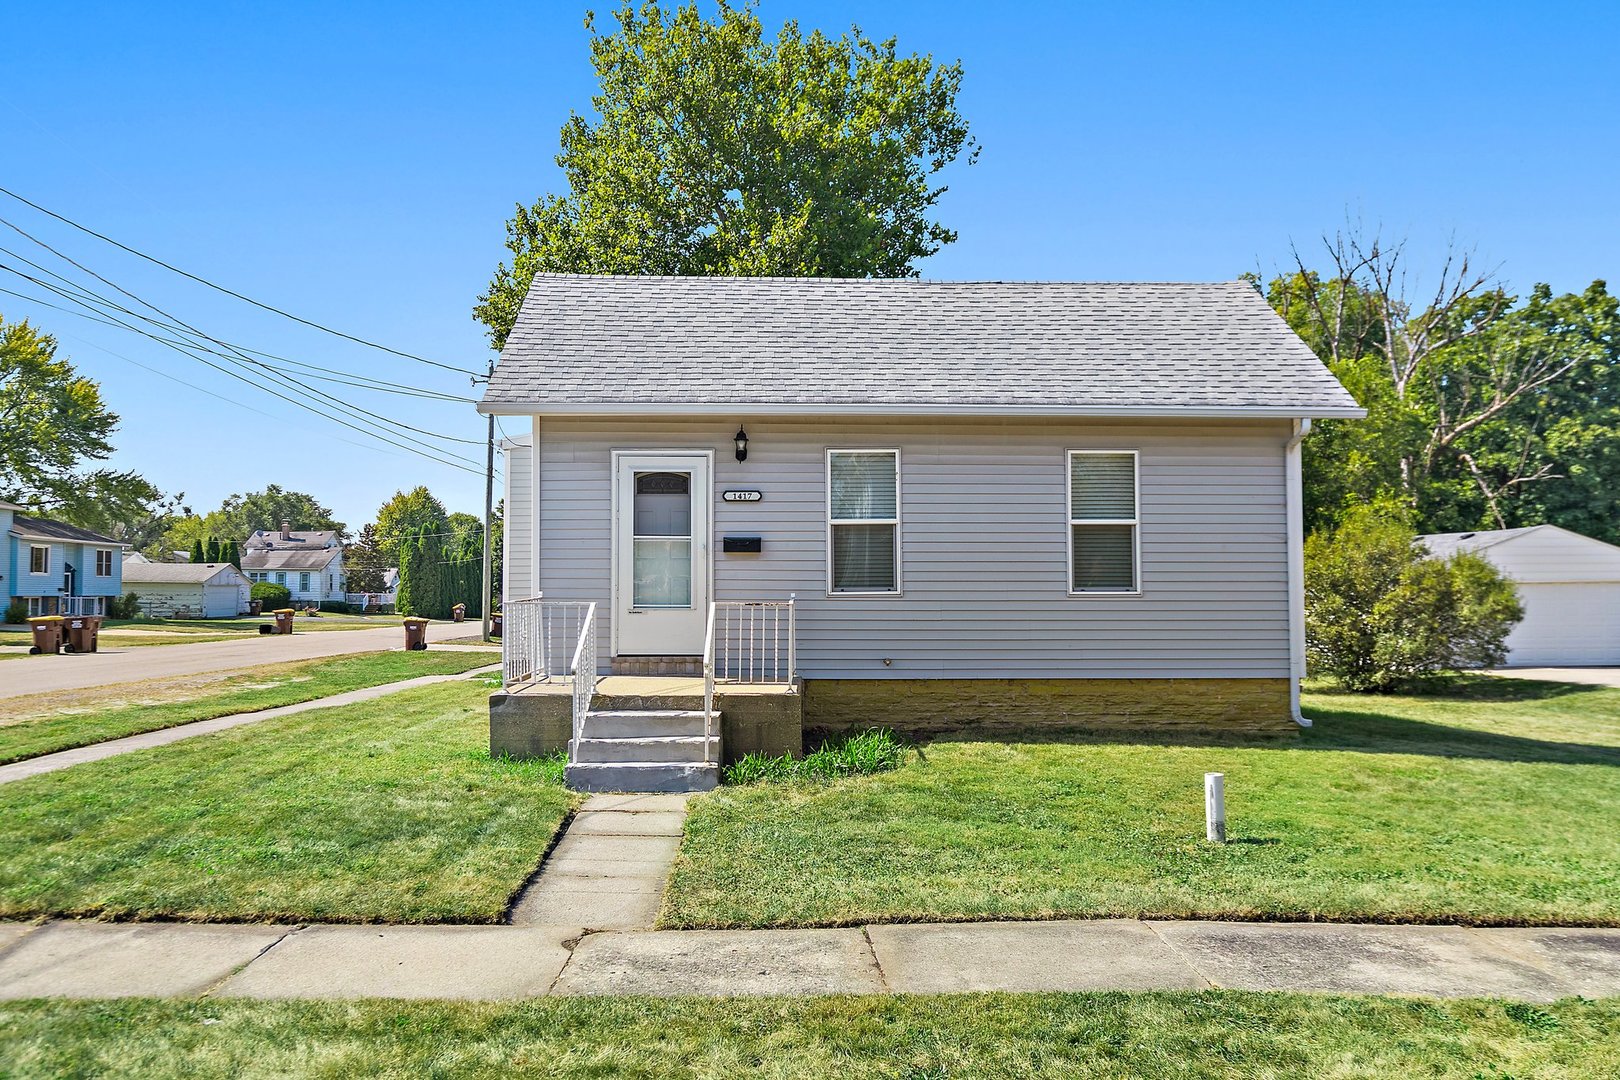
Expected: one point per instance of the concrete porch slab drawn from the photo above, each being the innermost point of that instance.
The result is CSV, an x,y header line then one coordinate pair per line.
x,y
472,963
1443,961
722,963
948,958
105,960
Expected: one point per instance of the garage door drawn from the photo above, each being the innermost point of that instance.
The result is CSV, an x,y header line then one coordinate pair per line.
x,y
220,601
1567,625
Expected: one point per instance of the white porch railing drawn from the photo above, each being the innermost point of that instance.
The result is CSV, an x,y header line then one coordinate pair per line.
x,y
538,638
582,670
83,605
748,641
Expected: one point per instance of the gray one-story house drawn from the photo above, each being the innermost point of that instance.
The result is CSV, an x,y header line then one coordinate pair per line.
x,y
988,502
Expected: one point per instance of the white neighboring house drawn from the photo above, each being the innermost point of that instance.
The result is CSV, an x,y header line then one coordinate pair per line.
x,y
1569,585
186,590
309,564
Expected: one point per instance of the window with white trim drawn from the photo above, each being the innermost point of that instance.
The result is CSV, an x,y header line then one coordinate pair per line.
x,y
103,562
1103,522
303,583
39,559
863,521
281,577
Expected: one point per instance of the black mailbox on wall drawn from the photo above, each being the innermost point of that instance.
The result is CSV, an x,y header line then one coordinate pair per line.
x,y
732,544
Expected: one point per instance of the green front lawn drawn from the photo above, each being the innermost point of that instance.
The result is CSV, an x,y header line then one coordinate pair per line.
x,y
389,810
1069,1036
46,723
1492,803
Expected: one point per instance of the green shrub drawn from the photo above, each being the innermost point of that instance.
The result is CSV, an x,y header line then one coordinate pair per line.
x,y
17,611
270,595
854,754
1382,614
127,606
337,607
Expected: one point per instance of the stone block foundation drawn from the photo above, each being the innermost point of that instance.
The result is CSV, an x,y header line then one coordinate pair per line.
x,y
936,706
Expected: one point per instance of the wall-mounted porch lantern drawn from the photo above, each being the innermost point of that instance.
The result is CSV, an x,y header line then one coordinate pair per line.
x,y
741,439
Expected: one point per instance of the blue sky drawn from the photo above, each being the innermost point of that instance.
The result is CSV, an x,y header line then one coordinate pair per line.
x,y
355,164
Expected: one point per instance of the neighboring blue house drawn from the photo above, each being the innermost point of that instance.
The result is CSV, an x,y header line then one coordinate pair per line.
x,y
58,569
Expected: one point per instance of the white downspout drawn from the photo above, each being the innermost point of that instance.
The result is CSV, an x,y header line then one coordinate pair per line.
x,y
1295,496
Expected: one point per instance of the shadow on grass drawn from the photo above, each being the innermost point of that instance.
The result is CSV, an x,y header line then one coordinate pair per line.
x,y
1357,729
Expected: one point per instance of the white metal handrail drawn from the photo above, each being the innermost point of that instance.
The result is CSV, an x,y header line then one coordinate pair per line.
x,y
582,670
748,641
83,605
522,642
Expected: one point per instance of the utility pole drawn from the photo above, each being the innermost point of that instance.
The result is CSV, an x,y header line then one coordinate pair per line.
x,y
489,512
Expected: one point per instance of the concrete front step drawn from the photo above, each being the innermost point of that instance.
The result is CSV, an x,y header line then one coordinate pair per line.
x,y
643,723
642,776
653,750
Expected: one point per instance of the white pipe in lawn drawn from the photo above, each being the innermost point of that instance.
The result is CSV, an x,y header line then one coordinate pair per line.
x,y
1215,807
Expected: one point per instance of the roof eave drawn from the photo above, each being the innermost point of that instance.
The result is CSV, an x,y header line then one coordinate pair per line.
x,y
1148,412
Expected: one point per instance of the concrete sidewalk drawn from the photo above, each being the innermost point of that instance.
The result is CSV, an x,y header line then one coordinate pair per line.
x,y
62,759
136,663
102,960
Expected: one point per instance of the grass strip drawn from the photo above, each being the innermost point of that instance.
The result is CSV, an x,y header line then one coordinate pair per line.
x,y
1069,1036
385,811
38,725
1491,803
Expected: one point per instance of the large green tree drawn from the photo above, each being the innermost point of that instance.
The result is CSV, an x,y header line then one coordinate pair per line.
x,y
1483,411
53,424
405,514
716,150
240,515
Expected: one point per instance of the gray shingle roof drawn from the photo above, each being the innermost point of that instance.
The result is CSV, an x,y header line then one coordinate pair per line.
x,y
39,528
304,538
181,573
655,344
287,558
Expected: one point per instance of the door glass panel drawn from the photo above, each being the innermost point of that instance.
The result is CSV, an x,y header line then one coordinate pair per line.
x,y
663,573
662,540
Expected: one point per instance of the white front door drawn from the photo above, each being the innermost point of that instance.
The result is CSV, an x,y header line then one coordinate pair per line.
x,y
660,552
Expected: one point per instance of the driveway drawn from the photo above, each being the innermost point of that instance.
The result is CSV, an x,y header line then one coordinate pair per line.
x,y
75,671
1591,676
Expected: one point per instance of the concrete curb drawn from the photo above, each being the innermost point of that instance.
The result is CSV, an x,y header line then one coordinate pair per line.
x,y
103,960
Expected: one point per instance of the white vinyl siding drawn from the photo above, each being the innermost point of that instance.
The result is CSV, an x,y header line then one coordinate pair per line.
x,y
863,521
1103,522
984,546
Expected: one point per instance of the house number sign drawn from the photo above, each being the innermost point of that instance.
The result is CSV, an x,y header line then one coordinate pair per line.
x,y
741,496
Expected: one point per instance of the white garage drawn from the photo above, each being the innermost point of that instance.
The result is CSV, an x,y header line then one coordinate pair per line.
x,y
1569,585
187,590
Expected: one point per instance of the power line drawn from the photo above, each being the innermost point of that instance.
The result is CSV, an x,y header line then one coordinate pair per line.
x,y
178,325
230,292
431,456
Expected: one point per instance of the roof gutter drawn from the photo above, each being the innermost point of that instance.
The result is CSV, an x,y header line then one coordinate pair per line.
x,y
1295,498
750,408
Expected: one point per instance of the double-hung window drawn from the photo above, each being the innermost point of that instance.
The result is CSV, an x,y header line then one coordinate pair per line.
x,y
39,559
103,562
1103,522
863,521
303,583
281,577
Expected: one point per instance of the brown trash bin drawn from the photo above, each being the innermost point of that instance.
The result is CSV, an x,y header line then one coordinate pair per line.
x,y
458,613
494,624
47,634
284,620
255,607
415,634
81,632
